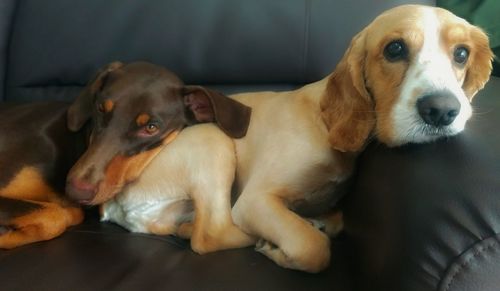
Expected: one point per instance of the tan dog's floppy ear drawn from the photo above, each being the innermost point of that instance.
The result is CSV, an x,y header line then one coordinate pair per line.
x,y
204,105
480,61
79,111
347,108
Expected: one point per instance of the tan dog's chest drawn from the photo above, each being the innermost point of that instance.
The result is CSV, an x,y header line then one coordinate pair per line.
x,y
287,144
319,201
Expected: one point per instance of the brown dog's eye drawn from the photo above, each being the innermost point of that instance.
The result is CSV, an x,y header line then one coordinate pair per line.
x,y
149,129
460,55
100,107
395,51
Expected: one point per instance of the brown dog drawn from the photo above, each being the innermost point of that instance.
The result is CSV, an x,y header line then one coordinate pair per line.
x,y
116,126
407,77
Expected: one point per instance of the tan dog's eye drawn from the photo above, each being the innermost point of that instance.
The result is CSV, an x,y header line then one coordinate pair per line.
x,y
460,55
395,51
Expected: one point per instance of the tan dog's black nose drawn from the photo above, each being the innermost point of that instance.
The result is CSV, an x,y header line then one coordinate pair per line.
x,y
439,109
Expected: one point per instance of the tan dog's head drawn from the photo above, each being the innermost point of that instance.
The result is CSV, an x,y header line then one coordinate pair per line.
x,y
409,76
131,110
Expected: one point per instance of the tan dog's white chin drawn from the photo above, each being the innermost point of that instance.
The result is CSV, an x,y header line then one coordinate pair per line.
x,y
432,117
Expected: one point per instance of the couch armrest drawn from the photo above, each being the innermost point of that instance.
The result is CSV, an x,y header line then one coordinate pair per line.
x,y
424,217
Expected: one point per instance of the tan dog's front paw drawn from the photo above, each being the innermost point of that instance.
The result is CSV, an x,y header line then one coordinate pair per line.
x,y
318,224
331,223
274,253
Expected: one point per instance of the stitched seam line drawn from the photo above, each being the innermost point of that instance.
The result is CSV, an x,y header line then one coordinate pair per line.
x,y
475,253
305,49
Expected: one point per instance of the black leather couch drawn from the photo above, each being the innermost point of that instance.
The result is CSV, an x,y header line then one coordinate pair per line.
x,y
419,217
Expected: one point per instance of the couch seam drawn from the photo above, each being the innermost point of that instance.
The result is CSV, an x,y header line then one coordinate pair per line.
x,y
474,255
8,41
138,235
305,49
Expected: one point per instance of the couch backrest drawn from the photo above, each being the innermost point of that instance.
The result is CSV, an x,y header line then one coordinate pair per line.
x,y
49,49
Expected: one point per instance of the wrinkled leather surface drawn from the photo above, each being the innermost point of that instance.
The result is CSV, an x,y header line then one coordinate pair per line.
x,y
419,210
475,269
103,256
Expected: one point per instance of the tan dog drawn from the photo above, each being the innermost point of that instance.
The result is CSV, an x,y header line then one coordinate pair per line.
x,y
407,77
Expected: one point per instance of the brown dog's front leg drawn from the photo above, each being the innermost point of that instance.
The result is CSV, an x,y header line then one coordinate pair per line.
x,y
23,222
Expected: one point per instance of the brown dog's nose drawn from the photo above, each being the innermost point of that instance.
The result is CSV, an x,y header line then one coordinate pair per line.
x,y
438,109
80,191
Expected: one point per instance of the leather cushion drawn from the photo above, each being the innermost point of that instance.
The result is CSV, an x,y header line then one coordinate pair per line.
x,y
55,48
416,209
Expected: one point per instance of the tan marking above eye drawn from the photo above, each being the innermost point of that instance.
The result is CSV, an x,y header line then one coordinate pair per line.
x,y
453,36
142,119
108,105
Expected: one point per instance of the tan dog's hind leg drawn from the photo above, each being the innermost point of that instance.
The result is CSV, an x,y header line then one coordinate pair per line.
x,y
173,218
49,220
288,239
185,230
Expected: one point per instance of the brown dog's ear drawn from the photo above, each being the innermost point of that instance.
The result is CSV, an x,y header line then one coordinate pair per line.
x,y
480,63
205,105
79,112
346,107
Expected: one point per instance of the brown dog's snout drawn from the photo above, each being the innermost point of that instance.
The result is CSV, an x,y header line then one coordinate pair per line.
x,y
80,191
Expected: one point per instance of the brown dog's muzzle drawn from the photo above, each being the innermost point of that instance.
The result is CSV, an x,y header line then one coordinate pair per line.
x,y
80,191
120,171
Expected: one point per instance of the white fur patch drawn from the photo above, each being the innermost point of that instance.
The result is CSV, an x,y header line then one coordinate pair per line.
x,y
430,71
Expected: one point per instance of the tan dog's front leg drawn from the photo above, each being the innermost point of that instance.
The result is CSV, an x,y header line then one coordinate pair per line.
x,y
213,228
288,239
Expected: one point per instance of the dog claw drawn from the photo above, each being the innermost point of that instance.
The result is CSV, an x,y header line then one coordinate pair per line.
x,y
263,245
320,225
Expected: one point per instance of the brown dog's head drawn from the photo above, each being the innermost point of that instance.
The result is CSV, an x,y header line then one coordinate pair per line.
x,y
409,76
131,111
